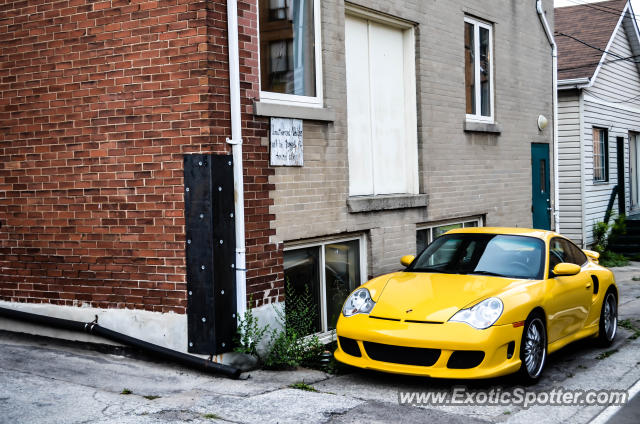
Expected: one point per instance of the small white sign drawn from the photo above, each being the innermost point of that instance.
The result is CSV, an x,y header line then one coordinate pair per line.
x,y
286,142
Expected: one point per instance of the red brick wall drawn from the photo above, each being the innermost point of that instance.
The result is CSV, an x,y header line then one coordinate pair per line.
x,y
99,101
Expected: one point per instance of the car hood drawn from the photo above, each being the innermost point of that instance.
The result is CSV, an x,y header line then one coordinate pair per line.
x,y
434,297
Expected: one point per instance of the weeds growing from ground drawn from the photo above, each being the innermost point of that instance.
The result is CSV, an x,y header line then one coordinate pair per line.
x,y
629,325
606,354
303,386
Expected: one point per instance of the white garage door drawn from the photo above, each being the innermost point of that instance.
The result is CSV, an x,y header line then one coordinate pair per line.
x,y
381,109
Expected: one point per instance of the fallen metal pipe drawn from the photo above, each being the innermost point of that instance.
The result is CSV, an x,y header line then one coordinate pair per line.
x,y
94,328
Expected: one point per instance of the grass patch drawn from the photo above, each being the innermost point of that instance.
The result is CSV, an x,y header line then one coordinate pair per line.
x,y
211,417
126,392
636,278
606,354
151,397
629,325
303,386
626,323
610,259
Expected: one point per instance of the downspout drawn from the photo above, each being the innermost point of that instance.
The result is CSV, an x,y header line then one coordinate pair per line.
x,y
236,148
554,66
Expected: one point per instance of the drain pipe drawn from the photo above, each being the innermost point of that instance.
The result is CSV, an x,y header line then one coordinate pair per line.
x,y
236,148
554,66
187,360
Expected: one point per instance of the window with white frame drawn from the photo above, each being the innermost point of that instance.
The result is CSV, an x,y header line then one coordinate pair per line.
x,y
290,55
328,271
428,233
381,104
478,70
600,155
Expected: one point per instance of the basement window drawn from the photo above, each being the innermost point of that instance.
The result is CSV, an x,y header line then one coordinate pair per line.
x,y
429,232
327,272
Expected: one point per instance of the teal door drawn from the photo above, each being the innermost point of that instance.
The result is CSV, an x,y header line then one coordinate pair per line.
x,y
541,200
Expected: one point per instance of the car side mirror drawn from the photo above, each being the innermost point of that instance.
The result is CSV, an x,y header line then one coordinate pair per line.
x,y
566,269
406,260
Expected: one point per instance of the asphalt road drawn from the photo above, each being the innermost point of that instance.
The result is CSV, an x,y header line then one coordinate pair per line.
x,y
630,414
51,381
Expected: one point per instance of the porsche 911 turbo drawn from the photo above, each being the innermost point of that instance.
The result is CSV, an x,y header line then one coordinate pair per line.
x,y
479,303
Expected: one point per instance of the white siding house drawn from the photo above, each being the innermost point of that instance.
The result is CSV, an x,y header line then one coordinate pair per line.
x,y
598,114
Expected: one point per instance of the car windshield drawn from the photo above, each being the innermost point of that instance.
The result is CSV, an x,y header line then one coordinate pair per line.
x,y
497,255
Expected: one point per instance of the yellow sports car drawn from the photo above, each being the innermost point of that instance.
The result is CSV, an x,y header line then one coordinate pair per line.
x,y
477,303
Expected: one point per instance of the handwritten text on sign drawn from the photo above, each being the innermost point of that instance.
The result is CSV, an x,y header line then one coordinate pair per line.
x,y
286,142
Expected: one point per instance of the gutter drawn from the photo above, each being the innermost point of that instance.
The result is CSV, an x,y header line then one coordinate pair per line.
x,y
574,83
554,61
236,149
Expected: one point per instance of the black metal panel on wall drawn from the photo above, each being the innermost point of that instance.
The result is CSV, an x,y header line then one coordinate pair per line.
x,y
210,252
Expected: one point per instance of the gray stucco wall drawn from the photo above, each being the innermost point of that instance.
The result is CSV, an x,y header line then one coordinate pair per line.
x,y
462,173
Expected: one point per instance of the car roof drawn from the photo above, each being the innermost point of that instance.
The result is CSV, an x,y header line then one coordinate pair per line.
x,y
529,232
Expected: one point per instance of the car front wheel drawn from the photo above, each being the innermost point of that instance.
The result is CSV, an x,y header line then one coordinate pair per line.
x,y
533,349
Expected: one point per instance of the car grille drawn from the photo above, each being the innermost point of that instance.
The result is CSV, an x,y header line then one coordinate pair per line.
x,y
349,346
465,359
401,354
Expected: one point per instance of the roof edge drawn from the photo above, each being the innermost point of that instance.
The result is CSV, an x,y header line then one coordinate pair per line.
x,y
610,42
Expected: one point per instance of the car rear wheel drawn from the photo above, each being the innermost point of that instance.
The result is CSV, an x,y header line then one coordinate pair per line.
x,y
608,319
533,349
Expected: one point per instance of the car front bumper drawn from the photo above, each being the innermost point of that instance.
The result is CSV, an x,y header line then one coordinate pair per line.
x,y
395,344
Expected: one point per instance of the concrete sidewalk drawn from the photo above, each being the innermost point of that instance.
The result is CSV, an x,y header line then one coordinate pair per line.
x,y
51,381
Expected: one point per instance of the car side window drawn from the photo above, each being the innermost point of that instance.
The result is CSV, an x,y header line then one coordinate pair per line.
x,y
557,253
576,255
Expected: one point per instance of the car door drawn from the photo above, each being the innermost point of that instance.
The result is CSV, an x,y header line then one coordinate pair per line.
x,y
569,295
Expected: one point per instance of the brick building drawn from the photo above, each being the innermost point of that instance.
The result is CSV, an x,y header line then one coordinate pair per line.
x,y
416,116
99,102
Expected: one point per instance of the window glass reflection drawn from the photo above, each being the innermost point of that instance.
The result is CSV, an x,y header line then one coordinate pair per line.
x,y
342,271
287,47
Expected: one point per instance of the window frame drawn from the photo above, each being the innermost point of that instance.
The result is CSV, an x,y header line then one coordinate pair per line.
x,y
604,154
321,243
316,101
568,243
477,116
479,219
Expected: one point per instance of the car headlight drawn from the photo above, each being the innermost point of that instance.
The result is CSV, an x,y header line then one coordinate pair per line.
x,y
359,302
482,315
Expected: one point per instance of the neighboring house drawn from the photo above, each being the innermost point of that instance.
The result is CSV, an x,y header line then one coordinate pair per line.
x,y
599,114
415,117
